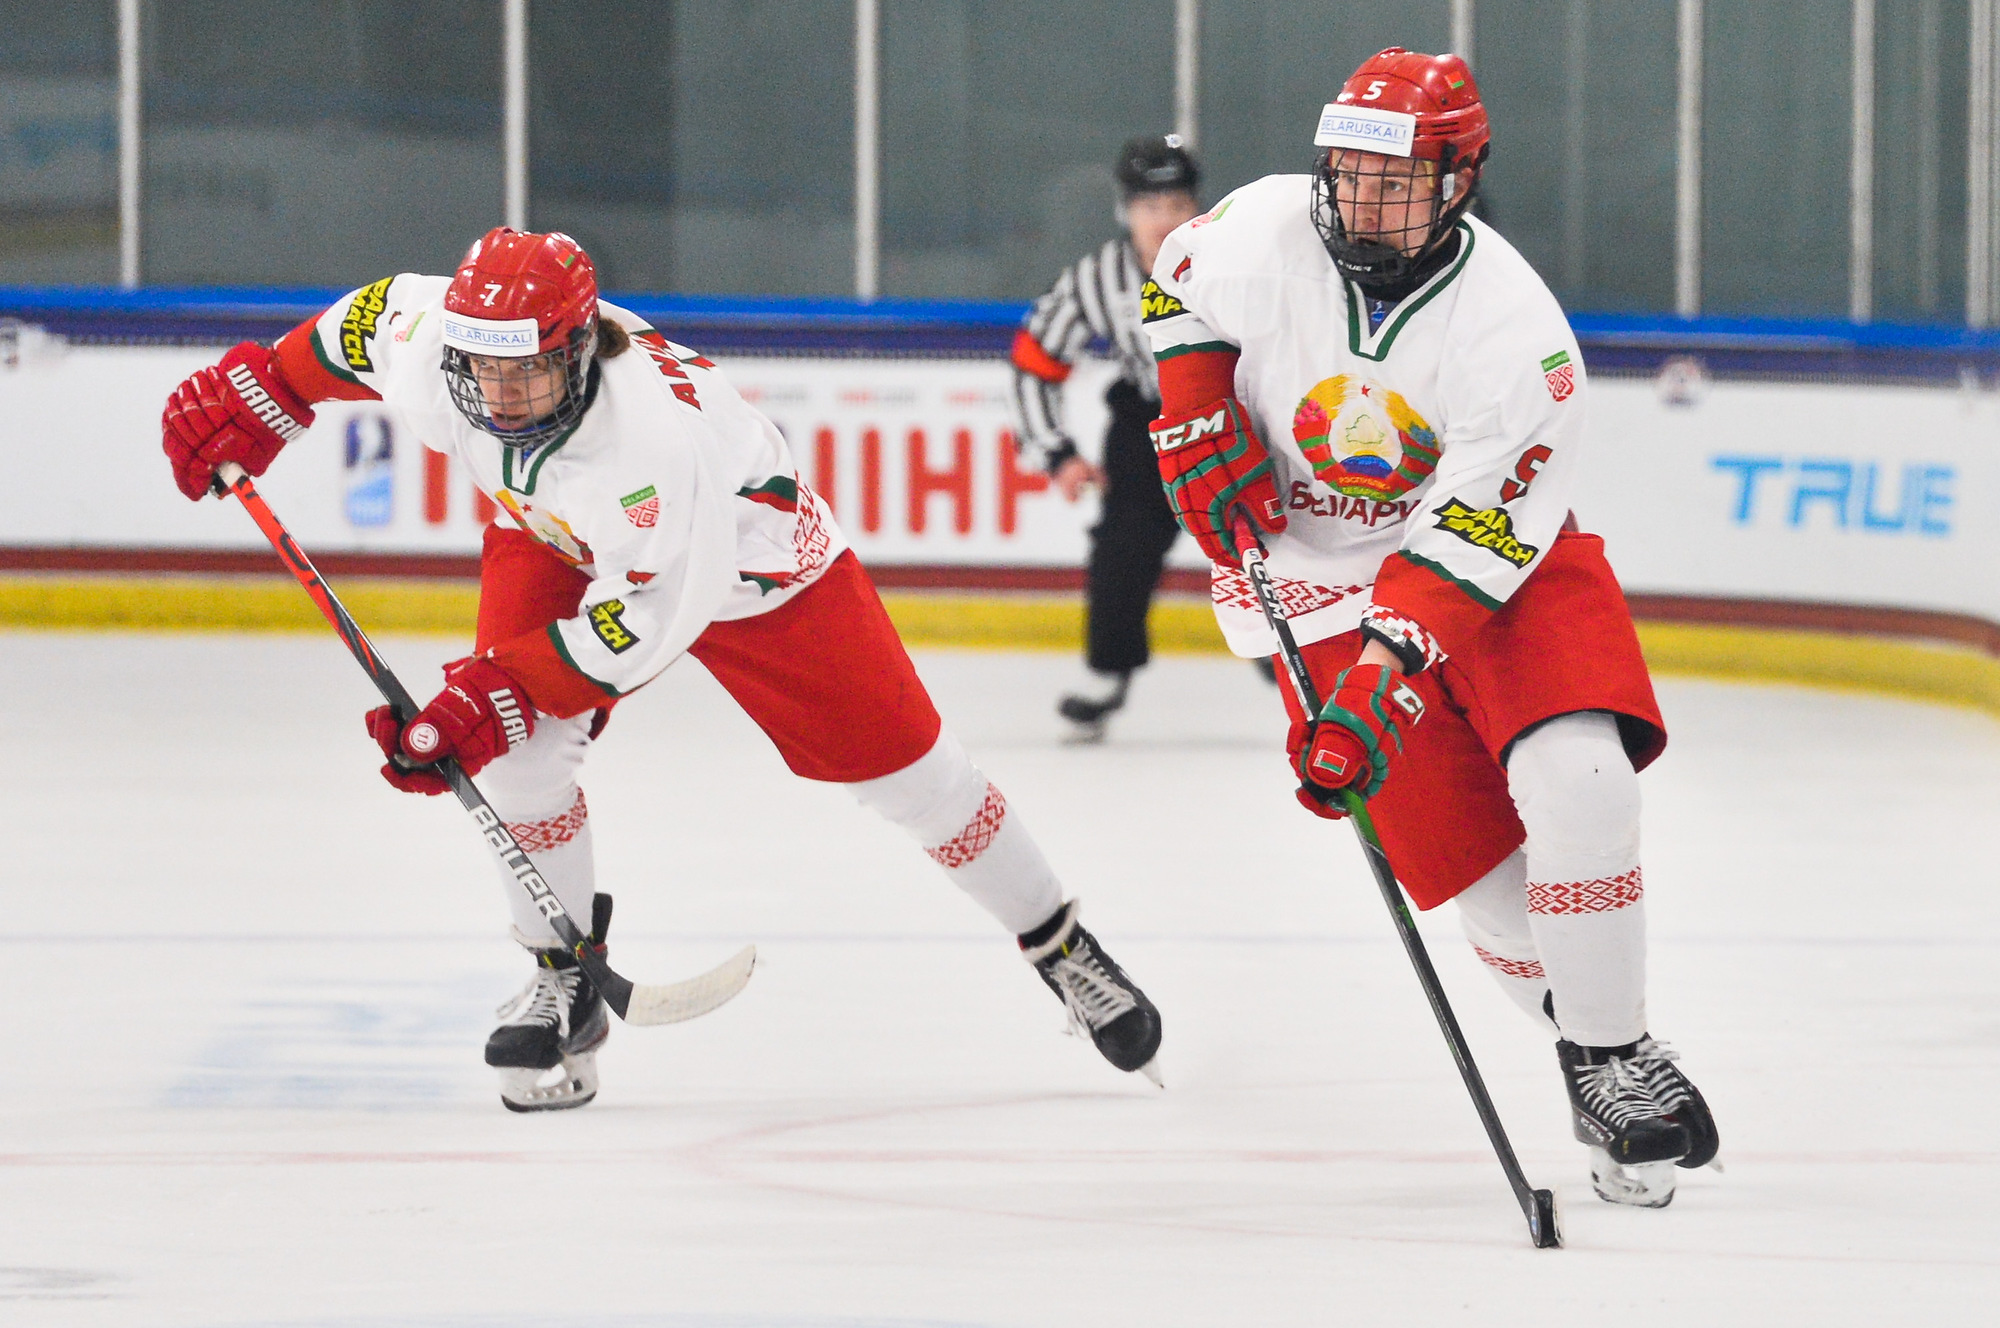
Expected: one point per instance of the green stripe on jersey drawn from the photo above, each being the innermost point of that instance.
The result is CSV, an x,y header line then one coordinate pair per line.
x,y
1438,570
556,639
1171,351
327,362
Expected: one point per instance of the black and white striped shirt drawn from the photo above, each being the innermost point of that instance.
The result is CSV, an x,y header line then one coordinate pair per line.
x,y
1093,307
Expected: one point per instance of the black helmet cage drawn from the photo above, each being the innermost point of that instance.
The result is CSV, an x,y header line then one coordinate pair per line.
x,y
1372,263
553,416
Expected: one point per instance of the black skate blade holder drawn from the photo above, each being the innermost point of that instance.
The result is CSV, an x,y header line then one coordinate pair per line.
x,y
635,1003
1537,1206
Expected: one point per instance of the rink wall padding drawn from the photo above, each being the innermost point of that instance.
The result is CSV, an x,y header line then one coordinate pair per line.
x,y
1726,457
239,603
1941,672
227,603
1757,482
1940,658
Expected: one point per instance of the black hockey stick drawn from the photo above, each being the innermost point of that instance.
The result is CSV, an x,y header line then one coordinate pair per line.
x,y
1538,1206
634,1003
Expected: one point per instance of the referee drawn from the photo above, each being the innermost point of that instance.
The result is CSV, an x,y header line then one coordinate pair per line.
x,y
1094,307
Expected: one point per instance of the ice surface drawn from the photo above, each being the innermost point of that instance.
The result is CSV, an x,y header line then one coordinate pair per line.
x,y
249,983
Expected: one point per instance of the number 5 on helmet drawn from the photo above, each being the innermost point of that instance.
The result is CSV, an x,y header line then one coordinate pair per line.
x,y
1210,463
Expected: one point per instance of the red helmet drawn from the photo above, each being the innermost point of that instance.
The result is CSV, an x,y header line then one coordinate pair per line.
x,y
520,295
1402,104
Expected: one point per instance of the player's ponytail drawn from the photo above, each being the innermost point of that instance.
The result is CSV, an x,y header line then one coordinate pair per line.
x,y
612,340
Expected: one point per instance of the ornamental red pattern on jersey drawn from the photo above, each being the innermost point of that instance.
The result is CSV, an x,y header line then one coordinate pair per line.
x,y
1561,381
969,843
1232,589
810,542
809,538
554,832
1407,631
644,515
1599,896
1513,968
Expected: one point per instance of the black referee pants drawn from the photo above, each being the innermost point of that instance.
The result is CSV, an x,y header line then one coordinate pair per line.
x,y
1129,543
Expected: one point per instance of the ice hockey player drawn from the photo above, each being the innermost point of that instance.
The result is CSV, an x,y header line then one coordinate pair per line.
x,y
1392,396
1095,302
650,513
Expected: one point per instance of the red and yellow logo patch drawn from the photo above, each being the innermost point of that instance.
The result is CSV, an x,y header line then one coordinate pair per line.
x,y
1560,374
642,509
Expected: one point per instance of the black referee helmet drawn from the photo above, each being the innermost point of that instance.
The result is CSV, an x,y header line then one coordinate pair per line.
x,y
1156,164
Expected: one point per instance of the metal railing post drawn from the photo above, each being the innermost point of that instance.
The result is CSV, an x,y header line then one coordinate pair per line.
x,y
1979,172
129,143
1687,166
867,148
514,115
1861,170
1187,70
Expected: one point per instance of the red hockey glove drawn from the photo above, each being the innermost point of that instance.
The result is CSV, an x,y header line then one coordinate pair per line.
x,y
1210,463
1359,732
481,713
240,410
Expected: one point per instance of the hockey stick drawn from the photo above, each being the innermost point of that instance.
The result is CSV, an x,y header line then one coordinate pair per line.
x,y
1538,1206
634,1003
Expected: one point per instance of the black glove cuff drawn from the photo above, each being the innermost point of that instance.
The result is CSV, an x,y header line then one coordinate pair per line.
x,y
1407,652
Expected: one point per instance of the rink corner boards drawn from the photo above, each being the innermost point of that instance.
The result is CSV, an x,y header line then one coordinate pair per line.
x,y
1945,658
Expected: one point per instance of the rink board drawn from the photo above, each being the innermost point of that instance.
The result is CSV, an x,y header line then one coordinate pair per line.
x,y
1851,493
1836,492
1936,671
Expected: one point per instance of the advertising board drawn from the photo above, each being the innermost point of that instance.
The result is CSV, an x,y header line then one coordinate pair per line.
x,y
1841,493
1811,491
914,454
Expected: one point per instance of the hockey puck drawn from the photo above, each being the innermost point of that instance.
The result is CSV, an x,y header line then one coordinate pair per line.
x,y
1545,1223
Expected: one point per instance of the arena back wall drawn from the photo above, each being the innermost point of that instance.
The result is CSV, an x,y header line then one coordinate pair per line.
x,y
1825,470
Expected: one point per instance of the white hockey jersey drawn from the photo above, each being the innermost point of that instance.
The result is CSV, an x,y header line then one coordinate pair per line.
x,y
1447,434
673,494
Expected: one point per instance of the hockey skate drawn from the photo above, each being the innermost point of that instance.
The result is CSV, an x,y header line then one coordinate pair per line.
x,y
1640,1116
1089,706
1681,1102
546,1045
1104,1005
